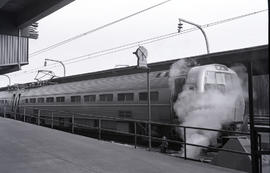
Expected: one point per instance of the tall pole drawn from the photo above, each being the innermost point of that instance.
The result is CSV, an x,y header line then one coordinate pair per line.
x,y
200,28
58,62
149,107
141,54
253,136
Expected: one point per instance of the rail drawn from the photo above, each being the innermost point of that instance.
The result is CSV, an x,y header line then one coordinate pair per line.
x,y
72,122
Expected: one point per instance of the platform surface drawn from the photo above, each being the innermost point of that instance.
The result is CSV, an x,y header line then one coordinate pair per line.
x,y
27,148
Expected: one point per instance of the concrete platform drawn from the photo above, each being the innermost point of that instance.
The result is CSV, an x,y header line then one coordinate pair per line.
x,y
27,148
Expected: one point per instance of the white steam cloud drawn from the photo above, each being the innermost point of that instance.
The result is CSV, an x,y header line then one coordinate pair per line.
x,y
179,68
241,71
210,109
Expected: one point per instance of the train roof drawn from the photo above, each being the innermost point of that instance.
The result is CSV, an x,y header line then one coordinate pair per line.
x,y
257,55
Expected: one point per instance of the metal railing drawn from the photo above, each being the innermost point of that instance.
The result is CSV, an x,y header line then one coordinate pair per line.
x,y
71,122
78,122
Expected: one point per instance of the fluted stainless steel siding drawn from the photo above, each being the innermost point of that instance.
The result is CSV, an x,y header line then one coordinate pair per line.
x,y
9,50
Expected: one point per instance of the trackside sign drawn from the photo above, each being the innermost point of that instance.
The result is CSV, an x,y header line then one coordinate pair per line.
x,y
141,54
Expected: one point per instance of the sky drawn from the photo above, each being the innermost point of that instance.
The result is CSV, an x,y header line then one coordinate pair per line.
x,y
81,16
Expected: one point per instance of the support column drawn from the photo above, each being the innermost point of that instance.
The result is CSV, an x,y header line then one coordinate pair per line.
x,y
149,109
253,136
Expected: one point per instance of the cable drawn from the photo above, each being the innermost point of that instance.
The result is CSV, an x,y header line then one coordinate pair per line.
x,y
93,30
110,49
115,49
234,18
142,42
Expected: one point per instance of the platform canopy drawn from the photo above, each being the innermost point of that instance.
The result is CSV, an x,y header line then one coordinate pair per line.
x,y
16,14
17,24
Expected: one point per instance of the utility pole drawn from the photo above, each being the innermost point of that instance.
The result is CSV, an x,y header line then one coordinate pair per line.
x,y
199,27
142,54
45,64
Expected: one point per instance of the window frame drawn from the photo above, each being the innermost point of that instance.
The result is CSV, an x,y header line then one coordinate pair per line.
x,y
91,98
151,96
48,98
31,100
125,97
62,99
106,98
75,100
40,98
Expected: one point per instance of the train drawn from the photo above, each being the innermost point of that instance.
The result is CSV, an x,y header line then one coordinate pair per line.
x,y
119,92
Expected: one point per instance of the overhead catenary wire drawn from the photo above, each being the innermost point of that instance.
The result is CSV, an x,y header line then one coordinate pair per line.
x,y
93,30
158,38
111,50
141,42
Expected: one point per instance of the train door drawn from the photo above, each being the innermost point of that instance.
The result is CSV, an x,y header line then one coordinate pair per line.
x,y
178,88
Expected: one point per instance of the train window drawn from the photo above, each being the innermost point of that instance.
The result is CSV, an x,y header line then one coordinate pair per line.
x,y
125,97
162,74
106,97
143,96
75,99
158,75
125,114
41,100
228,79
32,100
220,78
26,100
50,99
60,99
178,87
89,98
210,77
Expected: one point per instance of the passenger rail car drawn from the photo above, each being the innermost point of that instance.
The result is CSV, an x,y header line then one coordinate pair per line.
x,y
118,94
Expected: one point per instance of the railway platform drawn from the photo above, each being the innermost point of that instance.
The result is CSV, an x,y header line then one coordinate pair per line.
x,y
27,148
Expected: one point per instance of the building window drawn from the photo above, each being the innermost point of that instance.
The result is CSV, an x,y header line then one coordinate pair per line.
x,y
143,96
89,98
106,97
32,100
40,100
125,97
75,99
60,99
49,99
26,101
125,114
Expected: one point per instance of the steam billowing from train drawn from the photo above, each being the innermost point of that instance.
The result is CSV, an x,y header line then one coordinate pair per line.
x,y
210,109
